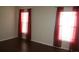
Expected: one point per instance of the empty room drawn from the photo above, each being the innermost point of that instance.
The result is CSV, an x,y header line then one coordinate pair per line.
x,y
39,29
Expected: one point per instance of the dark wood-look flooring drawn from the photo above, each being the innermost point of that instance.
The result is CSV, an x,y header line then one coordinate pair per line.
x,y
20,45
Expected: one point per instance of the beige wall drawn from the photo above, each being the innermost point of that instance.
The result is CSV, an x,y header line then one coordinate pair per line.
x,y
43,23
7,23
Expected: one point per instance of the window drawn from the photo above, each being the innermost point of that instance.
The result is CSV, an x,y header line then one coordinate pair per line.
x,y
67,26
24,21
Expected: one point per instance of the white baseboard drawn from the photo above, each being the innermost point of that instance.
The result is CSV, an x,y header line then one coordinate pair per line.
x,y
4,39
60,48
42,43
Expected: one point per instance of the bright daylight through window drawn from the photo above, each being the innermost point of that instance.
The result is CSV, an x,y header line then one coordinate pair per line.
x,y
24,20
67,23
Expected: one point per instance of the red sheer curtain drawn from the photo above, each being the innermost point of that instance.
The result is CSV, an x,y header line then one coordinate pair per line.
x,y
57,42
28,34
74,43
29,25
20,24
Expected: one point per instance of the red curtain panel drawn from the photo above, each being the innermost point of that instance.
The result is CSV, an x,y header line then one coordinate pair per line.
x,y
29,24
28,34
74,44
20,24
57,42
